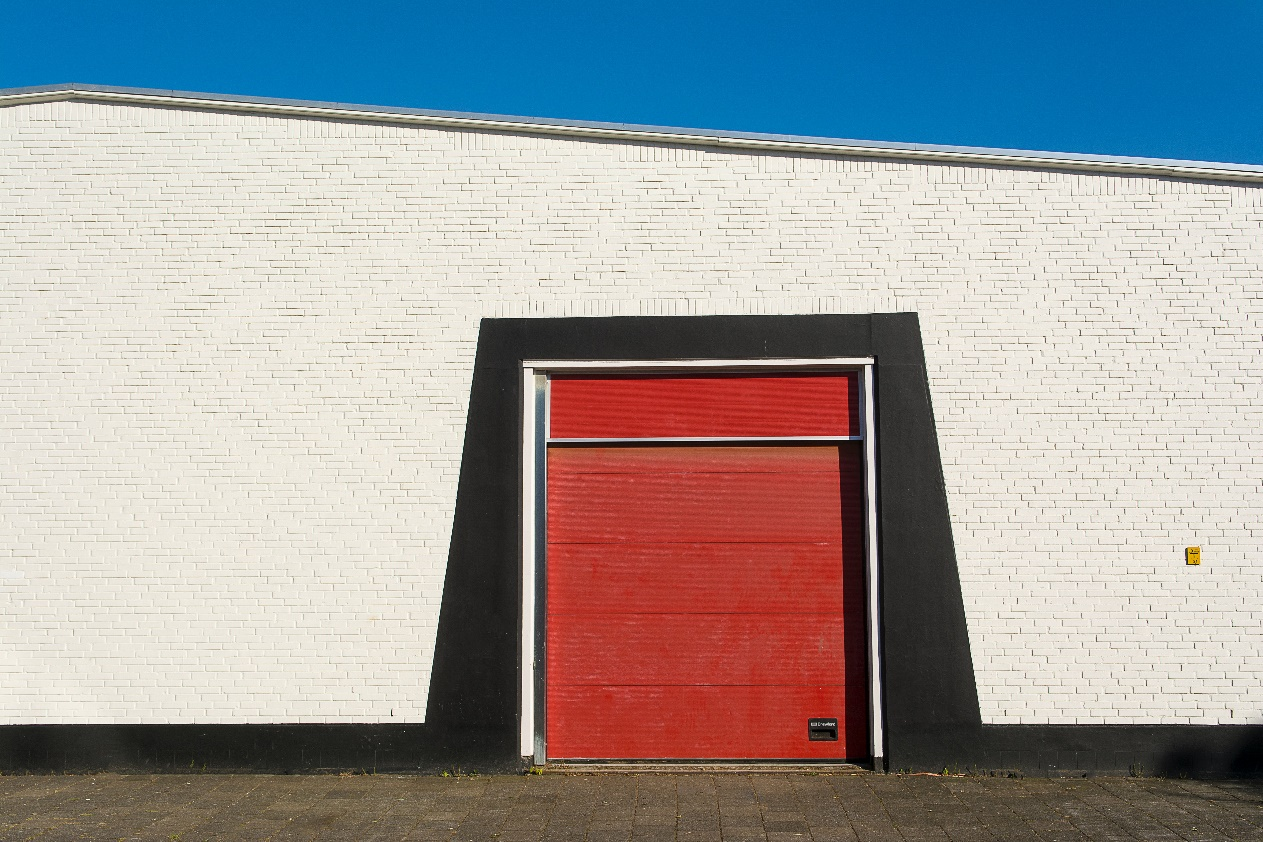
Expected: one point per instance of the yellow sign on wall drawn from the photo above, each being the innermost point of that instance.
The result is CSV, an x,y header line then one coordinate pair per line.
x,y
1192,555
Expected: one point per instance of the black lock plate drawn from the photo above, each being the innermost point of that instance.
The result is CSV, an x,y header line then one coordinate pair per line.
x,y
822,730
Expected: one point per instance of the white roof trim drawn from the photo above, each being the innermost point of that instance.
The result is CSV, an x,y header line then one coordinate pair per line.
x,y
926,153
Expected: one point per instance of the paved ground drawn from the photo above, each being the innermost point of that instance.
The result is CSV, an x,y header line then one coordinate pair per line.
x,y
182,808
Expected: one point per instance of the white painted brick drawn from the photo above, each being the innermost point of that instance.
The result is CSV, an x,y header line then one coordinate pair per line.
x,y
238,350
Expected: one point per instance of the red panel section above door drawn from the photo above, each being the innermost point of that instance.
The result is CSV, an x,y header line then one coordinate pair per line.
x,y
714,405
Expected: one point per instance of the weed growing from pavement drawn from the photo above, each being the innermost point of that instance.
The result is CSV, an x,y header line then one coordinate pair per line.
x,y
457,772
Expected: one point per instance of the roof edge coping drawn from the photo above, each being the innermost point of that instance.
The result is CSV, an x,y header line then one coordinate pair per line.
x,y
630,132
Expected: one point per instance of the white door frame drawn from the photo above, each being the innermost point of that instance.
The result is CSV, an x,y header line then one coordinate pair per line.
x,y
535,427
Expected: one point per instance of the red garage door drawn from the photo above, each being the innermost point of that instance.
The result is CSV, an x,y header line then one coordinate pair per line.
x,y
704,600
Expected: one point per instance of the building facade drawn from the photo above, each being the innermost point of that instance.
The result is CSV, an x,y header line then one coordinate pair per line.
x,y
289,392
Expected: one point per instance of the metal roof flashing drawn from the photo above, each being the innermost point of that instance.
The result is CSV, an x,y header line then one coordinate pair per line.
x,y
631,133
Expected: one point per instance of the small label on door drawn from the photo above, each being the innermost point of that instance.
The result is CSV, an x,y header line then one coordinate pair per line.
x,y
1192,555
822,730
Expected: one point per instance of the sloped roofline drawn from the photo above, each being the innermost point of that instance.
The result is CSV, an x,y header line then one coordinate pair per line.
x,y
628,132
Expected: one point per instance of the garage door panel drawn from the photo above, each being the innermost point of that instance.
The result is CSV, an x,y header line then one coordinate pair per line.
x,y
719,723
733,649
778,508
724,459
704,601
701,578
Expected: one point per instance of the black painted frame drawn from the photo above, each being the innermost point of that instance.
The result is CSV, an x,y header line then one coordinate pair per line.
x,y
928,672
932,718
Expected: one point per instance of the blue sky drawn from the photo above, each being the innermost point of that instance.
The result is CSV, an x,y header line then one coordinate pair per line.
x,y
1161,79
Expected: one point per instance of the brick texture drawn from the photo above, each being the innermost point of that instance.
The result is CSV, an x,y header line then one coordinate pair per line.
x,y
237,353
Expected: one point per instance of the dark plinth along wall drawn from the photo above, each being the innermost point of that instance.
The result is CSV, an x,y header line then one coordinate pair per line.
x,y
931,704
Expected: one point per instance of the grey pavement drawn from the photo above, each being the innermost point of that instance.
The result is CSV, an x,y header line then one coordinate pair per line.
x,y
606,807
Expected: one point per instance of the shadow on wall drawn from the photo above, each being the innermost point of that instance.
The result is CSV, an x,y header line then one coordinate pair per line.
x,y
471,712
1241,757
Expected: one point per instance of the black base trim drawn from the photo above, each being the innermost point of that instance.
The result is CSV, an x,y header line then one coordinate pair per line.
x,y
1200,751
250,748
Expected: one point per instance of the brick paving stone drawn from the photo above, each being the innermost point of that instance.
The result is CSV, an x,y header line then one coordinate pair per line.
x,y
609,834
913,818
371,806
943,815
1044,821
1132,809
957,816
655,811
1198,801
994,814
653,834
1236,809
573,809
625,808
149,806
92,809
823,809
1143,800
865,811
697,808
1094,812
614,807
405,806
46,808
190,803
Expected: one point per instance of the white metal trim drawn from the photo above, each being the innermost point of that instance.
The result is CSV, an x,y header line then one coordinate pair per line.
x,y
922,153
548,407
851,363
539,451
706,439
872,569
532,744
527,664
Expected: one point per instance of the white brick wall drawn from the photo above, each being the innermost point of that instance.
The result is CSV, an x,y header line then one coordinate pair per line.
x,y
236,354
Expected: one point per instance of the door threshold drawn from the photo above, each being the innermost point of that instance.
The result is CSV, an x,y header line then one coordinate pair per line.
x,y
572,767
